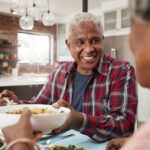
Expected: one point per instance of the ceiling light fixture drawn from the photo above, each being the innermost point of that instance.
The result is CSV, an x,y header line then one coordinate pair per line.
x,y
48,19
34,11
30,13
26,22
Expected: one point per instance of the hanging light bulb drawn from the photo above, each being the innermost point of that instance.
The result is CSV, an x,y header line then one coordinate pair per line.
x,y
34,11
26,22
48,19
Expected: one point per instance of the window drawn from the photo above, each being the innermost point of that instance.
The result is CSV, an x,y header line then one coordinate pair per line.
x,y
63,53
35,48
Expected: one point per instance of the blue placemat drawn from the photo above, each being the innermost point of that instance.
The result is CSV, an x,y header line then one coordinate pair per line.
x,y
78,139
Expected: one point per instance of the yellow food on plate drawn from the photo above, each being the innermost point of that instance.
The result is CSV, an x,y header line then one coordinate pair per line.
x,y
33,110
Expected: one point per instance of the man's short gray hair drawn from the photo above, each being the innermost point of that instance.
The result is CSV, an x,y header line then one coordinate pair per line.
x,y
83,17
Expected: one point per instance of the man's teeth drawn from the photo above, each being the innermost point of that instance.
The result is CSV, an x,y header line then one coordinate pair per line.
x,y
88,58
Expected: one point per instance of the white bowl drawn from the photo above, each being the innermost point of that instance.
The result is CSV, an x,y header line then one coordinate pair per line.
x,y
40,122
4,146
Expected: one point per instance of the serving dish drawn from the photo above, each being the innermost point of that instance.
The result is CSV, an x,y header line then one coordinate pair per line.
x,y
40,122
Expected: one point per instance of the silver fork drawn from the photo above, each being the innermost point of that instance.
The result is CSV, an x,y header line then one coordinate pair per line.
x,y
47,142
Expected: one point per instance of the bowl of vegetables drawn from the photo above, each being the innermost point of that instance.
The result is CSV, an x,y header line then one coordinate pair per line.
x,y
2,143
69,147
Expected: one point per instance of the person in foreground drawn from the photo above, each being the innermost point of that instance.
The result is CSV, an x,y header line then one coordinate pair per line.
x,y
139,41
22,133
99,90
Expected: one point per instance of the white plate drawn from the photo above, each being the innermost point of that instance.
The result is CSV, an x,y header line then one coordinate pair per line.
x,y
40,122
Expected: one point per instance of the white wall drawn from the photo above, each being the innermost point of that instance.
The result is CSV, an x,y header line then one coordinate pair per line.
x,y
120,43
144,104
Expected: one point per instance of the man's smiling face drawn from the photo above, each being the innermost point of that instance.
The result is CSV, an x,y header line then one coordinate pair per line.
x,y
86,46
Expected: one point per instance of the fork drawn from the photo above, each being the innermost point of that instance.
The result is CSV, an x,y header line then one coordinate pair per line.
x,y
47,142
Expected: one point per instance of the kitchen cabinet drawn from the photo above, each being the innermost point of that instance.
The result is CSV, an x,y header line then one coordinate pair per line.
x,y
24,87
24,92
125,18
63,53
116,22
110,20
115,17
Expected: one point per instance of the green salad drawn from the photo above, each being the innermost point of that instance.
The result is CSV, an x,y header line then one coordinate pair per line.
x,y
70,147
1,142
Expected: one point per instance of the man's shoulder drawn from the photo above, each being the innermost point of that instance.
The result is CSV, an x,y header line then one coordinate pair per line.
x,y
63,67
61,70
117,68
116,63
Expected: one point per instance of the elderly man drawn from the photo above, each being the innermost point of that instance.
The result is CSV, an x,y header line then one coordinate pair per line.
x,y
99,90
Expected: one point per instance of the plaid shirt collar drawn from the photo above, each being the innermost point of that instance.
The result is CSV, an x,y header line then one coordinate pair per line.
x,y
102,68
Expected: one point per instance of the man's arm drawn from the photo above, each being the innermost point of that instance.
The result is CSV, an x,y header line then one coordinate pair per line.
x,y
117,143
121,106
6,96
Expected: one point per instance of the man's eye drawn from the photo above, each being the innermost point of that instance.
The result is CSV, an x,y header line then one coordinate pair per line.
x,y
79,42
96,40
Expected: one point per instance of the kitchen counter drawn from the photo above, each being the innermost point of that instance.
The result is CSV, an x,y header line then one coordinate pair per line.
x,y
22,80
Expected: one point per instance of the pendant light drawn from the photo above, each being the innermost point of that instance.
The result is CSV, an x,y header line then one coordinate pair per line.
x,y
34,11
48,19
26,22
85,5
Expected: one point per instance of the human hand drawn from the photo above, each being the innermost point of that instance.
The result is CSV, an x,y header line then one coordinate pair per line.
x,y
74,120
22,129
140,139
116,144
10,95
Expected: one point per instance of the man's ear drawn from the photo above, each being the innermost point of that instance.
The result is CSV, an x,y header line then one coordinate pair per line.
x,y
68,44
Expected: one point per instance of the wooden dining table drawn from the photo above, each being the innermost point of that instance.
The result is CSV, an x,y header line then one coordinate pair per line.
x,y
79,140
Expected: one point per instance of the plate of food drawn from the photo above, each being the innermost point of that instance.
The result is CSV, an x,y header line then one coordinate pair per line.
x,y
44,117
61,147
2,143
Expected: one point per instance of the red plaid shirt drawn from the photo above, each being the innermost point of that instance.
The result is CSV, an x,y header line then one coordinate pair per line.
x,y
110,100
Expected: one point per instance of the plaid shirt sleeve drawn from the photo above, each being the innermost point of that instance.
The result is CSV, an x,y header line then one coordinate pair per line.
x,y
121,110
